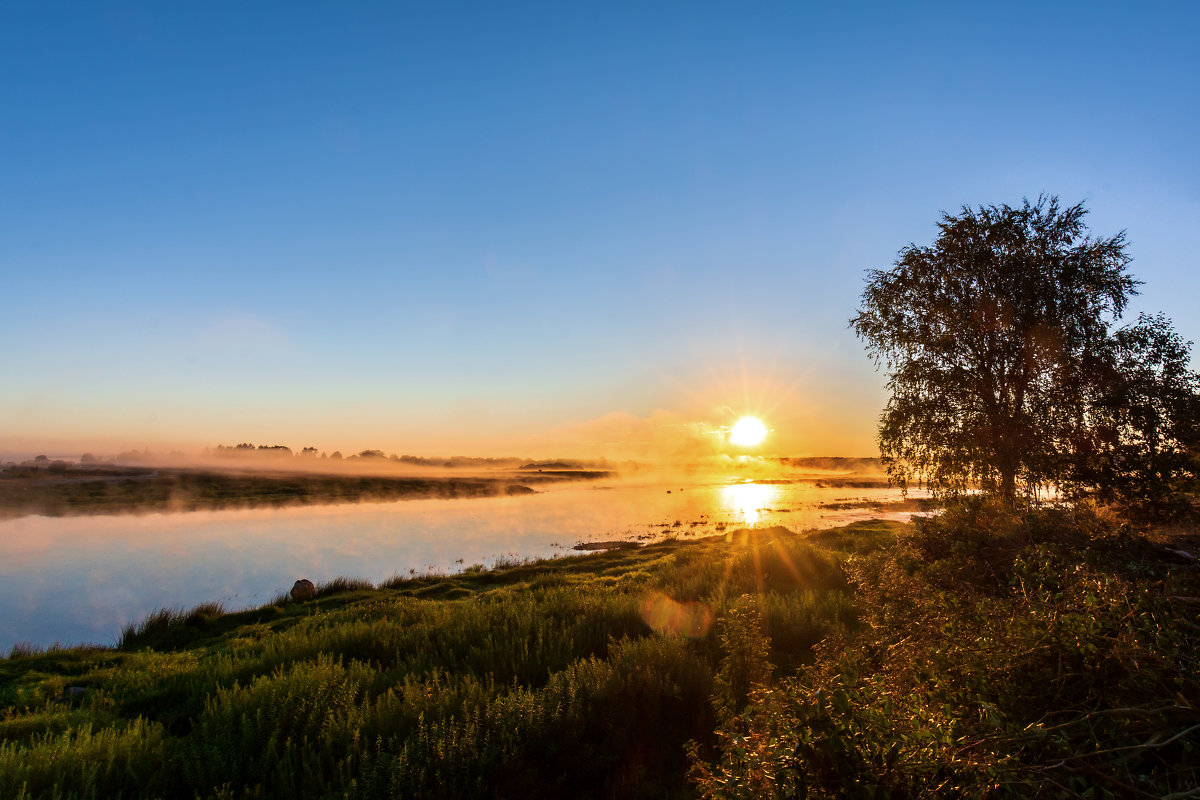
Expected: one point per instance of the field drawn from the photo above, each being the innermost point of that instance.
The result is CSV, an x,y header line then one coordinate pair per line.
x,y
978,654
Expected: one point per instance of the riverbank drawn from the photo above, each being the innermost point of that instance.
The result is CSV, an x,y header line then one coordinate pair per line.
x,y
562,677
984,658
82,578
67,490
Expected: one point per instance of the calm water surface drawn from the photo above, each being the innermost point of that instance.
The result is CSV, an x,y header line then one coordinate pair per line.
x,y
81,579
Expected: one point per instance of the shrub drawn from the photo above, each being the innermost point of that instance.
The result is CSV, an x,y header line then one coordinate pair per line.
x,y
746,663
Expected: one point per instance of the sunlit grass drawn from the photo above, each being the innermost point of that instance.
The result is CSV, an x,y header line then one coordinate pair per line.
x,y
427,685
987,649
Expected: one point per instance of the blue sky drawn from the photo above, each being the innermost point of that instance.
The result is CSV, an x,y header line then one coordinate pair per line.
x,y
531,228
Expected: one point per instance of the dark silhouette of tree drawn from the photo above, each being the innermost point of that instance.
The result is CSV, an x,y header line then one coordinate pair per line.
x,y
994,339
1146,423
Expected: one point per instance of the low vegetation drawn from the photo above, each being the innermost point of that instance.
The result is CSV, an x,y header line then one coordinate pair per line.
x,y
984,653
1000,654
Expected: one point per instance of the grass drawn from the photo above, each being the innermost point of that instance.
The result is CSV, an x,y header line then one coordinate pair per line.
x,y
973,655
560,677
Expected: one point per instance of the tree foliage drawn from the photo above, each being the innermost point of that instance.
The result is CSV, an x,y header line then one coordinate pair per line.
x,y
1146,422
994,339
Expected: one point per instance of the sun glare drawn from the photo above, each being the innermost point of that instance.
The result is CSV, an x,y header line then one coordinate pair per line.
x,y
747,431
748,500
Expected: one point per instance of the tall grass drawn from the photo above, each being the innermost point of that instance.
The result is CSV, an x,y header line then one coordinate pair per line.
x,y
542,678
123,759
342,585
163,621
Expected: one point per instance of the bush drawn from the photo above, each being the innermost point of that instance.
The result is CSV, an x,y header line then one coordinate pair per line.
x,y
1069,671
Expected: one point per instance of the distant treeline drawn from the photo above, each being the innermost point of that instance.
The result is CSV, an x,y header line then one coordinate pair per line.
x,y
246,449
835,463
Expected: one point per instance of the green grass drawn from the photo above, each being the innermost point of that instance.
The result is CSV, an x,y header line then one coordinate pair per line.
x,y
975,655
566,677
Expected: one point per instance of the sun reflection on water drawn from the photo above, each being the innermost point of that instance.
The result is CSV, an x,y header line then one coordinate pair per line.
x,y
748,499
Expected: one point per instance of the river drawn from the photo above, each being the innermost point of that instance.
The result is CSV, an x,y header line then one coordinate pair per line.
x,y
75,580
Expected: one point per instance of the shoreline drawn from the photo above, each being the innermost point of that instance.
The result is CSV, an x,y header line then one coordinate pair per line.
x,y
27,491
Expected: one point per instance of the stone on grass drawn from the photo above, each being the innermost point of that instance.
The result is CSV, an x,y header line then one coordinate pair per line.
x,y
303,589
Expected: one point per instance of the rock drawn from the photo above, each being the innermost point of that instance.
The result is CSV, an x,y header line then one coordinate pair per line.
x,y
70,693
303,589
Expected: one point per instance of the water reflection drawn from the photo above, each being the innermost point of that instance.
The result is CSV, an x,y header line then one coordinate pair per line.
x,y
79,579
749,500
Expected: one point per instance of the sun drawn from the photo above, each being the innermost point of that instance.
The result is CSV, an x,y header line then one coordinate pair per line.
x,y
747,432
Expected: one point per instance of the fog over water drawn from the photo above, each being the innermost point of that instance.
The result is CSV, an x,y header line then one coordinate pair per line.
x,y
80,579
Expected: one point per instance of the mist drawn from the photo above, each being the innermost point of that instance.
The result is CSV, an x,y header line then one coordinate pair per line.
x,y
658,446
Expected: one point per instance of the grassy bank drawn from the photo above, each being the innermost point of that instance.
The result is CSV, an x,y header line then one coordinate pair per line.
x,y
62,490
873,660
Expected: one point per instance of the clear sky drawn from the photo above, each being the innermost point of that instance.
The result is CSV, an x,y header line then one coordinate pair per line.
x,y
535,229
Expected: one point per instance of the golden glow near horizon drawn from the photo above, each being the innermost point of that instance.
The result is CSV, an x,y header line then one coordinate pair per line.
x,y
747,432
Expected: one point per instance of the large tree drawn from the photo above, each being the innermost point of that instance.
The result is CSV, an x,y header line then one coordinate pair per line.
x,y
994,338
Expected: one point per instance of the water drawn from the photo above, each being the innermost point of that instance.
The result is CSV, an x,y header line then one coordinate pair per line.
x,y
81,579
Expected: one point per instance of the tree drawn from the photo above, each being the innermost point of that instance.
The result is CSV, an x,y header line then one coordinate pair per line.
x,y
1146,422
993,338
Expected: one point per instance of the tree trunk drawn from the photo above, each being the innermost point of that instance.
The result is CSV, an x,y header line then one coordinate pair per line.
x,y
1008,485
